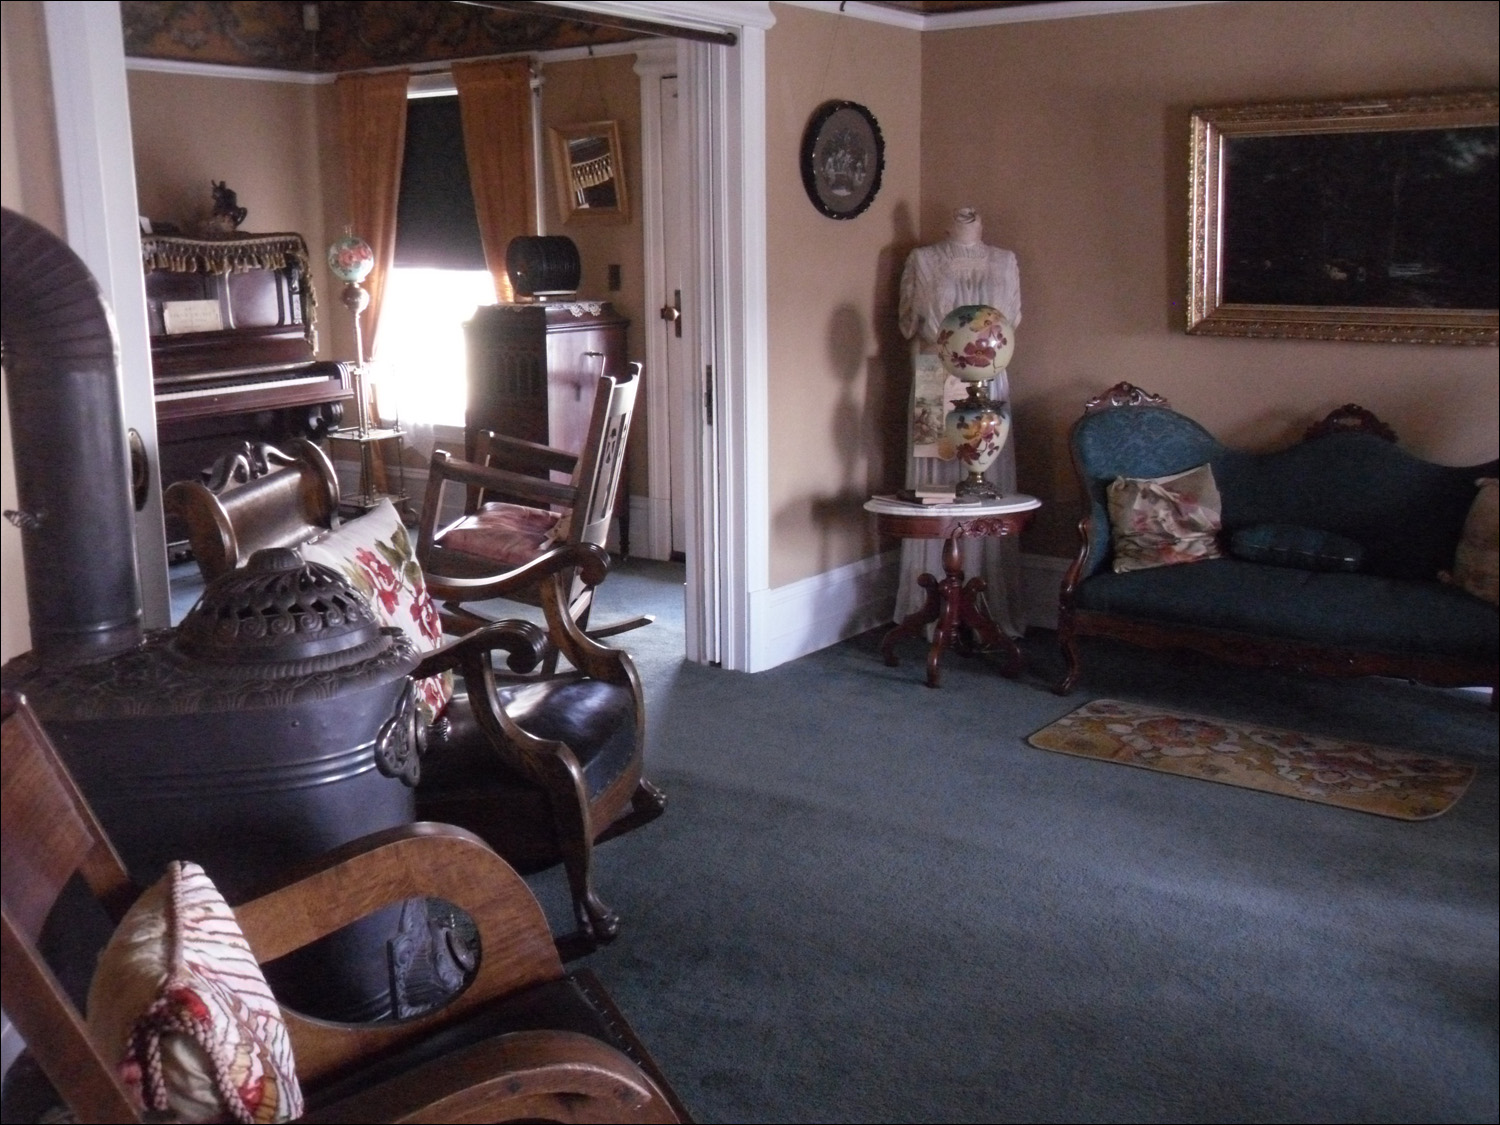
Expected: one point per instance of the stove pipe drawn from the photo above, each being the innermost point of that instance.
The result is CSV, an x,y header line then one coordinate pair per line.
x,y
72,462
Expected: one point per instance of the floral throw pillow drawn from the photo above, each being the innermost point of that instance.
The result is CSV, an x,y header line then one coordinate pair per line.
x,y
1163,521
1476,562
376,554
179,1000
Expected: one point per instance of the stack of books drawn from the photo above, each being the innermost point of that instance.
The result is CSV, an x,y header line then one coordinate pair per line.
x,y
930,494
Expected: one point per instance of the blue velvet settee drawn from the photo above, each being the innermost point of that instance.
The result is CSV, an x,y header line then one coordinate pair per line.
x,y
1382,611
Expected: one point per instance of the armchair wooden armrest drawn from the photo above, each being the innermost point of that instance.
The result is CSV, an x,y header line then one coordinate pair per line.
x,y
382,869
541,490
506,452
564,1052
592,563
525,642
526,1075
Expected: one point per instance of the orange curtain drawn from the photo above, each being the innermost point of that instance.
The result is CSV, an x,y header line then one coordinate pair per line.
x,y
495,101
372,123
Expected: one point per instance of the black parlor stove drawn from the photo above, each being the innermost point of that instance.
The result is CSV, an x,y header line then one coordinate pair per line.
x,y
275,723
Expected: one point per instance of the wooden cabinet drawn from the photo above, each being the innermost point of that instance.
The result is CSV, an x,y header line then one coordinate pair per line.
x,y
532,373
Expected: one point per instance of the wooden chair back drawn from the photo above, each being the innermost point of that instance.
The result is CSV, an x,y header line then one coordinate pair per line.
x,y
521,472
602,458
295,497
48,834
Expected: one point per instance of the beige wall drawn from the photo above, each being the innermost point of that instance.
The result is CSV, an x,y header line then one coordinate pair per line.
x,y
1071,137
604,89
839,377
30,184
264,139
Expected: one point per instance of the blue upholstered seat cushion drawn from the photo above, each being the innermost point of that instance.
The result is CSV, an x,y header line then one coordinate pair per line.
x,y
1286,544
1361,611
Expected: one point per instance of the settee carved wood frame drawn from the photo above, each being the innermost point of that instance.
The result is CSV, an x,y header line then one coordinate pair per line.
x,y
1326,296
1244,649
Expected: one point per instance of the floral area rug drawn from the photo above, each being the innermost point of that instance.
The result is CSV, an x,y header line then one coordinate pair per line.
x,y
1351,775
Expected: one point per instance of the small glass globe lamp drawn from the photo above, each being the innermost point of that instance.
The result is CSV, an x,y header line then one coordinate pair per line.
x,y
351,259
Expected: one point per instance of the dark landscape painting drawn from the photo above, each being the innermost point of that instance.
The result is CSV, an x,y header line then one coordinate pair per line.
x,y
1403,219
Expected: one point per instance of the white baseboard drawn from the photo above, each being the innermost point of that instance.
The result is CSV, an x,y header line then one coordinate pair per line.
x,y
805,616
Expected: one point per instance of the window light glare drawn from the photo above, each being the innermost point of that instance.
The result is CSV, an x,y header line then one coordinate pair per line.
x,y
420,364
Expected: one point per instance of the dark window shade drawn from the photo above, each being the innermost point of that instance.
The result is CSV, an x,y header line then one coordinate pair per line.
x,y
436,225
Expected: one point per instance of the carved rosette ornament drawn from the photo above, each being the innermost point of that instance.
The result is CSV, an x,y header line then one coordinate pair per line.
x,y
1123,394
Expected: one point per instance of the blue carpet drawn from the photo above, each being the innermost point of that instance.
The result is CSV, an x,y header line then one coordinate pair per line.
x,y
871,901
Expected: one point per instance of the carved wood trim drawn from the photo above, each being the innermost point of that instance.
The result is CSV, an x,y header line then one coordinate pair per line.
x,y
1353,419
1123,394
1293,656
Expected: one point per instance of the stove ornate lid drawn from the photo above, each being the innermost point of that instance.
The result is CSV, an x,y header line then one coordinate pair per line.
x,y
281,615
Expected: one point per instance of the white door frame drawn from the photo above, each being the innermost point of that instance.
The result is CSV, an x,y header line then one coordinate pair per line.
x,y
722,97
654,64
86,50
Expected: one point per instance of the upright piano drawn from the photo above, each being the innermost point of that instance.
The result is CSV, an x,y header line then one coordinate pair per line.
x,y
233,347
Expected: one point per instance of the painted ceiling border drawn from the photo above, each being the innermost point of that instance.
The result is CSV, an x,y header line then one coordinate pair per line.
x,y
695,13
262,74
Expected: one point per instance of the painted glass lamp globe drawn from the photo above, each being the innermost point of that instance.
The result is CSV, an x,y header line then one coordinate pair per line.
x,y
351,259
974,344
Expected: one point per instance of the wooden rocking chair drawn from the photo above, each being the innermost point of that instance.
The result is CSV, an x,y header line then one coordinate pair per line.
x,y
516,512
523,1041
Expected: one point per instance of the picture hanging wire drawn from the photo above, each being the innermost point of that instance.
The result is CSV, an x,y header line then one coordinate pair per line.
x,y
833,45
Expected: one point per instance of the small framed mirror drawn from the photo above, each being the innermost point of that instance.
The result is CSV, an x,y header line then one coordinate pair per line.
x,y
588,165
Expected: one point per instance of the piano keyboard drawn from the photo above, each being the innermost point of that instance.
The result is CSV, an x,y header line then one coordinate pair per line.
x,y
238,388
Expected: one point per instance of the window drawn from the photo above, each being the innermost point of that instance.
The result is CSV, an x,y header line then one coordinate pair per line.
x,y
420,366
439,277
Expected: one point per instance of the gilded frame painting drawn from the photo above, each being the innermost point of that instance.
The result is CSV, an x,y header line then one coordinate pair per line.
x,y
1372,219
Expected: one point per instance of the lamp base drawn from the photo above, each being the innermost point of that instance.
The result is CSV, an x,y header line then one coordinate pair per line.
x,y
974,486
976,430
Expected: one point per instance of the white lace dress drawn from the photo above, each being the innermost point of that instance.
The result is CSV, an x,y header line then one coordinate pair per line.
x,y
936,280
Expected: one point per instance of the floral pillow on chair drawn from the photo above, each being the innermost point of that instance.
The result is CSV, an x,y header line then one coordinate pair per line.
x,y
375,552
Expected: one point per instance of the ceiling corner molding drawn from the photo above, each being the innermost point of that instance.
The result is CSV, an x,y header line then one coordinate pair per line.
x,y
988,17
870,13
1061,10
704,15
220,70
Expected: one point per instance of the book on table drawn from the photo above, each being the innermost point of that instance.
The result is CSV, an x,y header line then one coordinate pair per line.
x,y
930,495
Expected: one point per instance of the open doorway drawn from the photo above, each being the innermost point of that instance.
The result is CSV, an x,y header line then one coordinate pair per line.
x,y
721,97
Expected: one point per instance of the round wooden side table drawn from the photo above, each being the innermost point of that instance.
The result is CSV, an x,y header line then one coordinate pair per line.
x,y
955,605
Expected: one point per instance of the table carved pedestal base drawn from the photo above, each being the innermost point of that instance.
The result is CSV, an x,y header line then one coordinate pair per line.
x,y
955,607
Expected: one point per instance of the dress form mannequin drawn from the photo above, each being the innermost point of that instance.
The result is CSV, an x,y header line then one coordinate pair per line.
x,y
960,270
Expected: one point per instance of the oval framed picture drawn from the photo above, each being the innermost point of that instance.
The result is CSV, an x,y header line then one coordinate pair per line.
x,y
843,156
